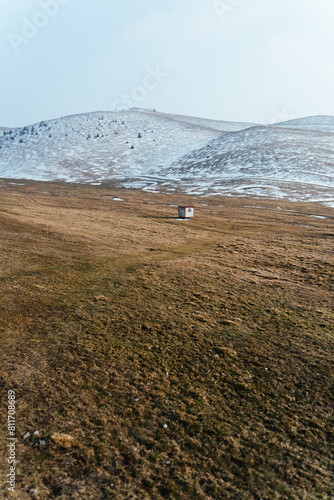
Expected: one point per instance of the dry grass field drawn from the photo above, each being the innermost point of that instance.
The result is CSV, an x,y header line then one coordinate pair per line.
x,y
161,359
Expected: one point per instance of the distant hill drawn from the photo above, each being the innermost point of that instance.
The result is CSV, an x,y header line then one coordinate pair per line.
x,y
321,123
161,152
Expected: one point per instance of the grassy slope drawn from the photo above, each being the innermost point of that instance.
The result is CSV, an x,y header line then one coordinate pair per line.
x,y
116,320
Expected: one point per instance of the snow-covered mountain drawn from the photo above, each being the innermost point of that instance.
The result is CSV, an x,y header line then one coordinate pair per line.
x,y
98,146
262,161
157,151
322,123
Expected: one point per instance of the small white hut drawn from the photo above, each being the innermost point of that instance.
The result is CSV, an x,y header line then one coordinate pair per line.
x,y
186,212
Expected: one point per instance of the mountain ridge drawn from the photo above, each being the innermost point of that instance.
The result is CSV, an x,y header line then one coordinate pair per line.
x,y
165,152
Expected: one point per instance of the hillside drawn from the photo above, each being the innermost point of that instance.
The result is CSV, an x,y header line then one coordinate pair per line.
x,y
97,146
168,153
261,161
158,358
222,126
321,123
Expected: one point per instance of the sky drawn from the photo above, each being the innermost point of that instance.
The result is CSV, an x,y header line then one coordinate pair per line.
x,y
256,61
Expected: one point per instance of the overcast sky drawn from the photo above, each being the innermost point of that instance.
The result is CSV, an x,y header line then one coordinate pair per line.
x,y
241,60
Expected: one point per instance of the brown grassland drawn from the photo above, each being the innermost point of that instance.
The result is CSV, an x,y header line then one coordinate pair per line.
x,y
159,359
